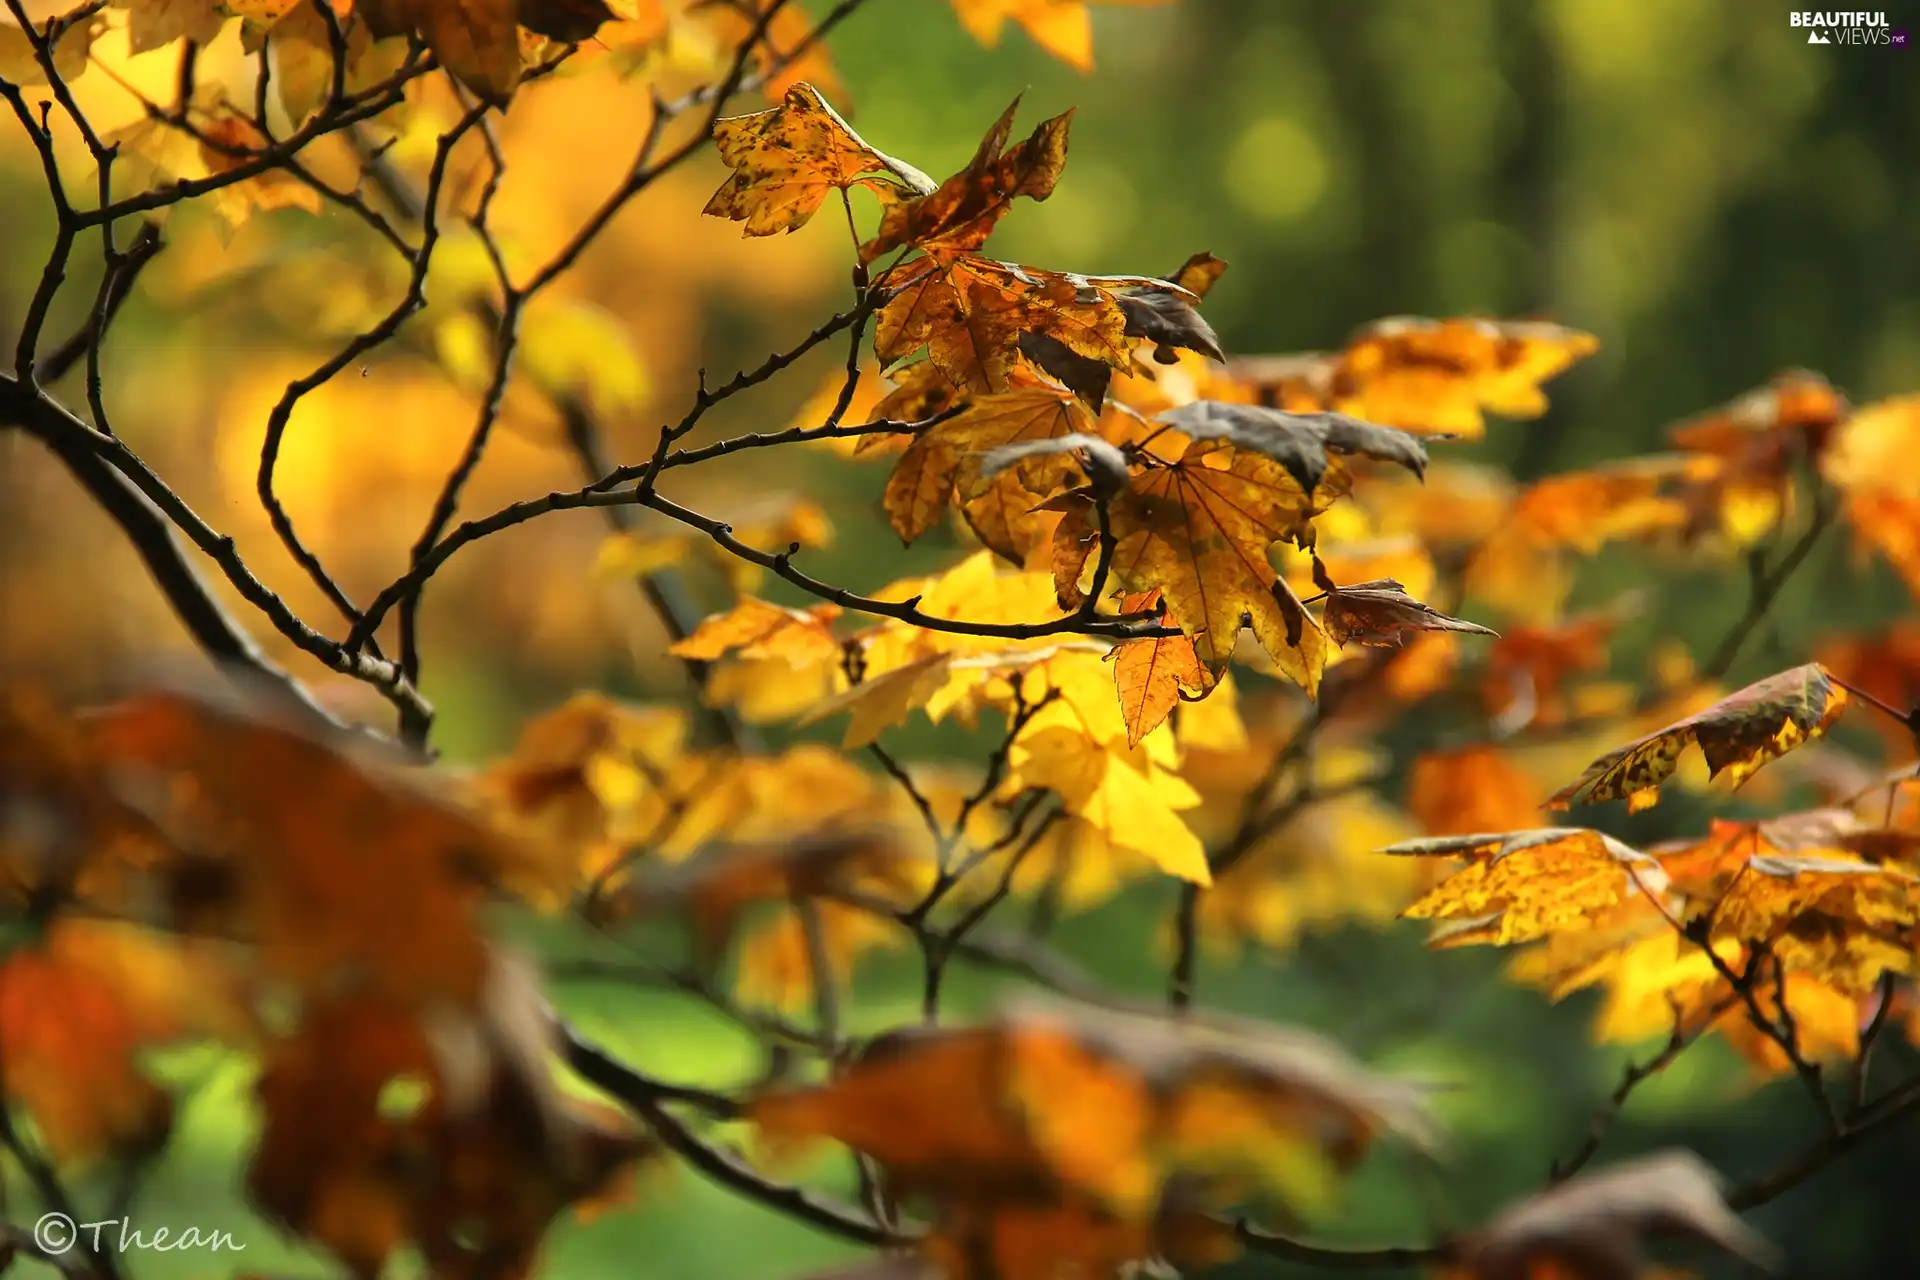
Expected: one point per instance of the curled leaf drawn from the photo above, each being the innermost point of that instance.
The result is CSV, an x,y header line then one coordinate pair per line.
x,y
1737,735
1381,613
787,158
1300,442
1591,1227
1105,465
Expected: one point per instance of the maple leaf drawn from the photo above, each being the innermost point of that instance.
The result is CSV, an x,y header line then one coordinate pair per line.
x,y
1590,1228
1528,667
1200,527
776,960
587,780
1152,674
787,158
1436,377
1747,448
1112,1105
386,1125
1134,807
154,23
65,829
477,41
77,1010
959,214
283,823
975,316
301,46
948,458
1381,613
72,43
1524,885
883,701
1885,665
1737,735
1470,789
758,629
1869,459
1064,28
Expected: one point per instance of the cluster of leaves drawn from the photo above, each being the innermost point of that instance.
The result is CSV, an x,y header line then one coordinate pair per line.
x,y
319,896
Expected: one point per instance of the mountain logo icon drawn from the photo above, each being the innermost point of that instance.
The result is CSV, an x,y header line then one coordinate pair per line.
x,y
1814,37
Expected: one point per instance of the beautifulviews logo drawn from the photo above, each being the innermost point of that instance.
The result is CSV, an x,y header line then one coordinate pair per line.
x,y
1847,28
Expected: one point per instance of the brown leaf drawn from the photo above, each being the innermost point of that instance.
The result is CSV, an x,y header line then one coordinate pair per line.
x,y
1382,614
305,847
958,216
476,42
1115,1105
568,21
1737,735
1590,1228
787,158
387,1124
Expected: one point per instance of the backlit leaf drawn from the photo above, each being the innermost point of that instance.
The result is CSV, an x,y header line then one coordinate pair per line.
x,y
1737,735
787,158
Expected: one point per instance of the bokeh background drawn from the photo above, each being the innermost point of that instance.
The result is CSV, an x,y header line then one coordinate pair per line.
x,y
1687,179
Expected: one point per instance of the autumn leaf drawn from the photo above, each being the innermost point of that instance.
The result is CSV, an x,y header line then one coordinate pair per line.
x,y
152,24
72,42
947,459
65,828
975,317
1868,459
1747,449
1152,674
1200,528
1591,1227
387,1125
78,1010
787,158
1381,613
883,701
282,820
1064,28
1304,443
1113,1105
477,41
1523,885
1470,789
777,959
1736,735
1435,377
959,214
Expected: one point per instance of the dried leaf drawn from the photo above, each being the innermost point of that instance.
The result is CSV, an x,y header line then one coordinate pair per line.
x,y
1737,735
1381,613
958,215
1590,1228
787,158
